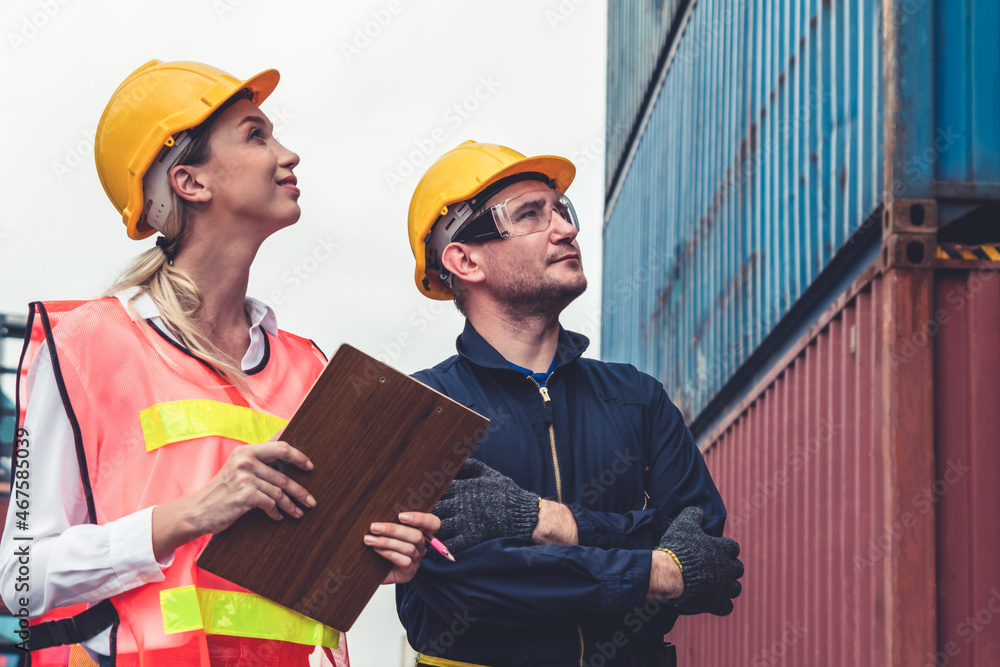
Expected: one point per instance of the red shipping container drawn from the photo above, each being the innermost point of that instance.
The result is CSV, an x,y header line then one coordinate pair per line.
x,y
861,481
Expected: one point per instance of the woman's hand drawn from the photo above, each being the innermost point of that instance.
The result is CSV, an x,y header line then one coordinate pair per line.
x,y
403,546
245,482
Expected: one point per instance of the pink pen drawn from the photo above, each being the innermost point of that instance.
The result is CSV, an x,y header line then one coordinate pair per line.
x,y
440,548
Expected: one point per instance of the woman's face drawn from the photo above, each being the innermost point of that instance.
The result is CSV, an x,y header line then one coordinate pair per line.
x,y
249,174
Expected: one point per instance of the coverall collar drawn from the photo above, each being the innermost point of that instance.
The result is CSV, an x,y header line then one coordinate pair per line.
x,y
474,347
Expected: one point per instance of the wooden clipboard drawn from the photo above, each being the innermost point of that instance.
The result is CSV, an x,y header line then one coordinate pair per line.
x,y
381,443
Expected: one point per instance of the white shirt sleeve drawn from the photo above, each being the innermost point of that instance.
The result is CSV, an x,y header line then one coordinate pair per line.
x,y
71,560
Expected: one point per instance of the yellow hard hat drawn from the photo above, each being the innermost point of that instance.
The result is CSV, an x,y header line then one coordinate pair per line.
x,y
458,176
150,107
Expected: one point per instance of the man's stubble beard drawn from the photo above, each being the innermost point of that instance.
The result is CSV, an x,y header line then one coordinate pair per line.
x,y
546,298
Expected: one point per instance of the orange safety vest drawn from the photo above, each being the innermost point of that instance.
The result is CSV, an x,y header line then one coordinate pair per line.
x,y
152,423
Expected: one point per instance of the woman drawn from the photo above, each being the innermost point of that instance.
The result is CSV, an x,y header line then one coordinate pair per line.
x,y
138,402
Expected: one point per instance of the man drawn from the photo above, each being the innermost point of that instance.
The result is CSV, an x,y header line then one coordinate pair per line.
x,y
569,525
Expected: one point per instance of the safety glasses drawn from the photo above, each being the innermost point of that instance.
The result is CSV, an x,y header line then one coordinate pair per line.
x,y
526,213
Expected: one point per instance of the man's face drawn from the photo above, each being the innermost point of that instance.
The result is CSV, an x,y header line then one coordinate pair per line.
x,y
535,274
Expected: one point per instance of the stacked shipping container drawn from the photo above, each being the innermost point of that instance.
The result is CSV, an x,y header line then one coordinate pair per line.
x,y
758,157
779,252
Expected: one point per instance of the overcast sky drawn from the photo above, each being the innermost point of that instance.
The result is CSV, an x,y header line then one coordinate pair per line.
x,y
370,94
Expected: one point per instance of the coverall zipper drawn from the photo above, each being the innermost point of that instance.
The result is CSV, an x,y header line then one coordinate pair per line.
x,y
552,432
549,419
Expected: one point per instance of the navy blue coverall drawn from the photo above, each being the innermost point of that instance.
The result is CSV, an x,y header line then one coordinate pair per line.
x,y
599,438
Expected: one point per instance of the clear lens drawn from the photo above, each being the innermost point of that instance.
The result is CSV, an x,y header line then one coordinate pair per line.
x,y
524,214
532,212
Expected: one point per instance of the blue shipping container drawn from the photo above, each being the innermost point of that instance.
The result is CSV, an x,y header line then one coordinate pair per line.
x,y
772,136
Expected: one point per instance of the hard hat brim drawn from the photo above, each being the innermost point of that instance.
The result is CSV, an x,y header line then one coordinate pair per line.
x,y
560,170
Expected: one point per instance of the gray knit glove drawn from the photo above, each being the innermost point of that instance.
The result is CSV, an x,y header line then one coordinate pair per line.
x,y
709,565
480,505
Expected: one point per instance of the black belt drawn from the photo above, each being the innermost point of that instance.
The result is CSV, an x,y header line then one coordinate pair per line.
x,y
74,629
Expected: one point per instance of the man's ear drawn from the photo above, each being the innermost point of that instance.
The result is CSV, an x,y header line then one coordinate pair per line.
x,y
186,181
464,260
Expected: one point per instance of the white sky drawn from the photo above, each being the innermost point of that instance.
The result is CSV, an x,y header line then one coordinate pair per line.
x,y
353,106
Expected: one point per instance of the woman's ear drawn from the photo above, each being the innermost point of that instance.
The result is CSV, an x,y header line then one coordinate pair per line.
x,y
464,260
184,179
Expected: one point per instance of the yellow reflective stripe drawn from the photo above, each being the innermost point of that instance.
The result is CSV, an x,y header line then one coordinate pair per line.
x,y
443,662
239,614
166,423
181,612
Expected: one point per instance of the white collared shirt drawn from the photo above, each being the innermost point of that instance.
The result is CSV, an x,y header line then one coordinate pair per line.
x,y
73,561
